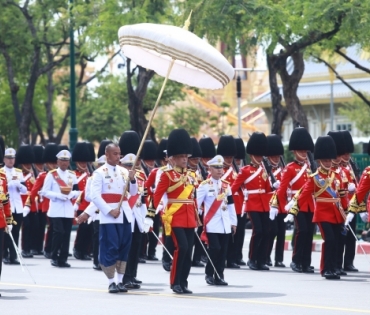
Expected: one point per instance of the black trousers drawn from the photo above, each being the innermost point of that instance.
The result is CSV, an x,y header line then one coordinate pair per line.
x,y
96,225
29,229
198,249
49,236
152,240
330,233
302,249
236,242
260,235
9,250
217,250
277,229
61,236
39,230
350,245
183,239
133,256
83,237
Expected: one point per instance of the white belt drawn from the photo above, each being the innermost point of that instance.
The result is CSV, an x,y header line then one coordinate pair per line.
x,y
256,191
294,191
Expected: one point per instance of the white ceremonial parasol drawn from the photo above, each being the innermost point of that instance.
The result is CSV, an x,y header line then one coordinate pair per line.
x,y
176,54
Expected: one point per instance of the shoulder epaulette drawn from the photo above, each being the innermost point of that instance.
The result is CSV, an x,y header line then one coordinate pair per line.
x,y
205,181
167,169
312,175
72,172
225,181
2,171
52,171
18,170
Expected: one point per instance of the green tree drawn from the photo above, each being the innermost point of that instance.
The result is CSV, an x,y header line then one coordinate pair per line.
x,y
358,112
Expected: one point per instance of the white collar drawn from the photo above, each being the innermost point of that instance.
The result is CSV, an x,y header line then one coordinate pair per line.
x,y
111,167
8,169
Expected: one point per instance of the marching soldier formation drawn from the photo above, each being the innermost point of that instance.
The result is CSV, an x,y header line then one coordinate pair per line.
x,y
197,194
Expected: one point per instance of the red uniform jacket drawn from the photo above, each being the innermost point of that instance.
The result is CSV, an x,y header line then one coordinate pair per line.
x,y
340,177
277,174
150,185
26,198
349,178
40,202
82,203
363,188
231,175
173,182
325,210
286,191
5,212
257,201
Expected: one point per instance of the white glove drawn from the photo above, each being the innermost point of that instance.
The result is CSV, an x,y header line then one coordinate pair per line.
x,y
26,210
148,223
75,207
289,205
200,211
276,185
364,216
349,218
273,213
245,193
74,194
62,197
159,209
289,218
92,218
351,187
9,228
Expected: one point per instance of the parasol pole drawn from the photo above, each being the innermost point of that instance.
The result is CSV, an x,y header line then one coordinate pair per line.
x,y
186,26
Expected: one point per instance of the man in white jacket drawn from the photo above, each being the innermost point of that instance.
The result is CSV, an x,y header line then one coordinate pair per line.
x,y
107,187
61,188
219,219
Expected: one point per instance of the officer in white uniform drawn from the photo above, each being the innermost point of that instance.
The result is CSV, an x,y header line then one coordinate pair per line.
x,y
219,219
61,188
107,187
16,187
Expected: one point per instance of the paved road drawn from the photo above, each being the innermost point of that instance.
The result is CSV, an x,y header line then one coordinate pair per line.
x,y
81,290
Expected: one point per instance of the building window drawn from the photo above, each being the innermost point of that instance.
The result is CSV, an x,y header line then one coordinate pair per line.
x,y
344,127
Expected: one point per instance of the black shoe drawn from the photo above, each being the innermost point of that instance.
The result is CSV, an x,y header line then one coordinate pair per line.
x,y
166,265
85,257
210,280
252,265
350,268
64,264
77,254
312,267
47,255
233,266
186,290
36,252
113,288
26,254
97,267
177,289
279,264
142,260
121,287
220,282
307,270
329,275
14,262
137,281
340,272
152,258
295,267
241,262
197,264
6,261
204,259
263,267
54,263
131,286
269,262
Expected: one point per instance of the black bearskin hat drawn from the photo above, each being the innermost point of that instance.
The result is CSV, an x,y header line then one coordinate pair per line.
x,y
38,152
161,155
129,142
91,148
63,147
50,153
240,148
208,147
1,157
257,144
81,152
339,141
102,146
350,147
300,139
325,148
179,142
226,146
197,152
274,145
24,155
149,151
2,146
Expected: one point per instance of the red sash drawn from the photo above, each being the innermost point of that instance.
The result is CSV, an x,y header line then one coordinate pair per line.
x,y
211,212
63,186
133,199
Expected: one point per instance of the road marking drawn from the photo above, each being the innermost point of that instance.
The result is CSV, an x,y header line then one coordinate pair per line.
x,y
196,297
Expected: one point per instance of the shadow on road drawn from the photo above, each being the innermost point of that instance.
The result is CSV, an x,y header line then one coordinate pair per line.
x,y
239,295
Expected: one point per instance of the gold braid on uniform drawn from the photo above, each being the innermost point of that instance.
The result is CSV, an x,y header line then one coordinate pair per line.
x,y
353,204
295,208
274,202
150,213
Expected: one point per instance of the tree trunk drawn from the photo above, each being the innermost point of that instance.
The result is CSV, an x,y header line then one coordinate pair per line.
x,y
136,96
279,113
48,107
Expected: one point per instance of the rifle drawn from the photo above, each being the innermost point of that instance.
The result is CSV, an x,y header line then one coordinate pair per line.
x,y
355,169
268,168
282,161
145,168
235,166
312,162
202,171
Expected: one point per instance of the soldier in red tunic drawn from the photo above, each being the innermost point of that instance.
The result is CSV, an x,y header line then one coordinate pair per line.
x,y
328,213
293,178
275,150
180,217
82,246
252,182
